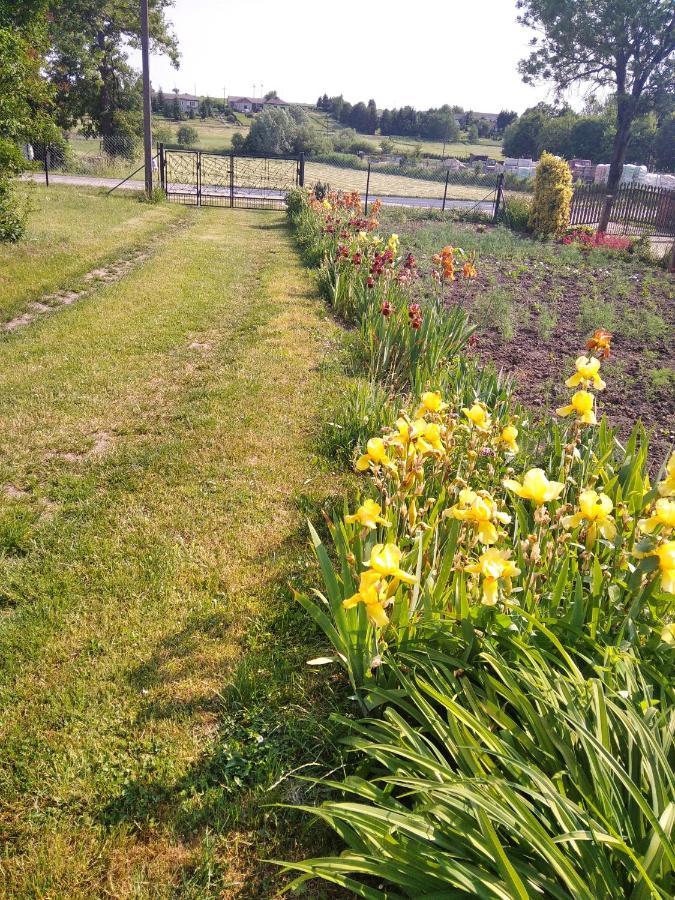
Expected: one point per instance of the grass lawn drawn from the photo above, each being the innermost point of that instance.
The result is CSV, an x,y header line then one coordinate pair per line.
x,y
71,232
157,465
484,146
537,303
383,184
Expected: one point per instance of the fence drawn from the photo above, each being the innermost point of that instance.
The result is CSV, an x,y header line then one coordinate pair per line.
x,y
410,183
637,209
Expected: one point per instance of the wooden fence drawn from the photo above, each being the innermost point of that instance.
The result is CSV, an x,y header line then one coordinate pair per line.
x,y
637,209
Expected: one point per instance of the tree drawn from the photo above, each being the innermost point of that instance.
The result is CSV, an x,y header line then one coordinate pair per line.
x,y
188,136
664,146
88,64
25,102
522,137
472,133
271,95
176,113
626,45
160,100
504,119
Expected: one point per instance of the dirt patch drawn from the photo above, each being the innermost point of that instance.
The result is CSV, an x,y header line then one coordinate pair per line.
x,y
109,274
203,346
102,443
12,492
539,356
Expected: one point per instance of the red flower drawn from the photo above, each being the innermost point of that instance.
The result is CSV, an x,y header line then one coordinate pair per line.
x,y
356,259
370,282
386,309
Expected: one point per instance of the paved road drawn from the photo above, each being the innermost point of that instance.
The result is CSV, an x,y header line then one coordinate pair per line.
x,y
219,194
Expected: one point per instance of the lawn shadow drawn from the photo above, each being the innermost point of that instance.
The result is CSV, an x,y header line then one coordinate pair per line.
x,y
268,717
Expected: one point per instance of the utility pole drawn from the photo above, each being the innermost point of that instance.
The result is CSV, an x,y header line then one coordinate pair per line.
x,y
147,102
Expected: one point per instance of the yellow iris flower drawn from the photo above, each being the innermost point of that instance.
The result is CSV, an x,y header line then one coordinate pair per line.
x,y
478,416
392,244
507,438
595,509
374,593
666,556
480,509
376,453
664,515
494,566
666,488
535,487
581,404
385,559
586,374
418,436
368,515
430,402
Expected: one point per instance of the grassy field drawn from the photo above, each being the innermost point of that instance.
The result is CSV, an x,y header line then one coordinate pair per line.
x,y
408,145
70,233
384,184
537,303
157,465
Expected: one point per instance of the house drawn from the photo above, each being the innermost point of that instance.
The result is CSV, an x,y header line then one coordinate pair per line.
x,y
251,105
188,103
246,105
274,101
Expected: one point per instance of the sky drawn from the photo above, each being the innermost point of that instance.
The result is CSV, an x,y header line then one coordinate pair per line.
x,y
418,52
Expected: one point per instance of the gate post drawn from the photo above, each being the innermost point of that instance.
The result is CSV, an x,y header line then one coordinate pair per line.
x,y
199,177
301,170
231,180
445,191
367,188
498,198
162,182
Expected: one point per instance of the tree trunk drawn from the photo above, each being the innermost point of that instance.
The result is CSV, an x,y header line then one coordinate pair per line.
x,y
625,116
106,105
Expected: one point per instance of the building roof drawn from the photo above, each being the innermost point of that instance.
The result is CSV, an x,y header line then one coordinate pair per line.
x,y
187,97
250,100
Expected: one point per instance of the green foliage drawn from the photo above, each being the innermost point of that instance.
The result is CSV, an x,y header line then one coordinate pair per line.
x,y
92,38
498,771
515,213
550,209
13,214
187,136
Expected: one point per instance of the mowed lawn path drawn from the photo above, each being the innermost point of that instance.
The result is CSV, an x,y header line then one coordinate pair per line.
x,y
156,469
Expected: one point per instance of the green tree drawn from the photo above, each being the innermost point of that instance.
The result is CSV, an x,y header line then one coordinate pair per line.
x,y
88,63
176,113
271,95
25,101
504,119
664,146
188,136
472,134
522,137
625,45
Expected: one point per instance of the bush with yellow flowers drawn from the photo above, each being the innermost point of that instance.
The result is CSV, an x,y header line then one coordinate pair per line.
x,y
500,596
550,207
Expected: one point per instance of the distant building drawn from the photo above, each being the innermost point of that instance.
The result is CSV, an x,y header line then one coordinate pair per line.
x,y
187,102
251,105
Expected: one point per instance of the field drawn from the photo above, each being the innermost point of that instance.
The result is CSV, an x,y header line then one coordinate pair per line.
x,y
165,437
157,466
384,184
462,148
537,304
71,233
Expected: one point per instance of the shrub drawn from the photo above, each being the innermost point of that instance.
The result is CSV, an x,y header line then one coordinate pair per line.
x,y
515,213
550,210
188,136
163,134
13,213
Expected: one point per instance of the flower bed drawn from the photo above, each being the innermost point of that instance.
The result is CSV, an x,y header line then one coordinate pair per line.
x,y
500,597
586,237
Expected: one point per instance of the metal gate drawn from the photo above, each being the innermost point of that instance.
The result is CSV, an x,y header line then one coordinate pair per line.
x,y
197,178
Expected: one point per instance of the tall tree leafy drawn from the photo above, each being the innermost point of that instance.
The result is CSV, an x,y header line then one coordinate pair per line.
x,y
625,45
88,63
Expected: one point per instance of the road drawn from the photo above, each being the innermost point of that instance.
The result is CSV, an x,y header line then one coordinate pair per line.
x,y
217,195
